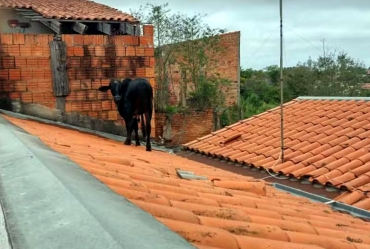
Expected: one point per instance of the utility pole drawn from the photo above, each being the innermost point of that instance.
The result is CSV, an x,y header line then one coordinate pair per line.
x,y
281,83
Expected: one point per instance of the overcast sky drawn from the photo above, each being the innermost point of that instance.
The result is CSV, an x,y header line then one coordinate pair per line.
x,y
345,25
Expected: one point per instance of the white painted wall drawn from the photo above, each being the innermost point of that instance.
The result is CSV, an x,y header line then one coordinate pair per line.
x,y
10,14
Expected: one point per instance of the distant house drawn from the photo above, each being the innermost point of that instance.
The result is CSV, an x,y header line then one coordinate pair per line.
x,y
67,17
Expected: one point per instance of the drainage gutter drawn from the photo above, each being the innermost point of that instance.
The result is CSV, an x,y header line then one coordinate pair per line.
x,y
339,206
51,202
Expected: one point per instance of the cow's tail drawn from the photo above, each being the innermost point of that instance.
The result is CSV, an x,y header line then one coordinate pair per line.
x,y
143,130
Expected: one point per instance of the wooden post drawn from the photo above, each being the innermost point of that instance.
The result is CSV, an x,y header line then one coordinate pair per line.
x,y
58,61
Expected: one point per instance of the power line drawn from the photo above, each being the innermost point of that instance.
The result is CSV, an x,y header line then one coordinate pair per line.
x,y
258,49
304,39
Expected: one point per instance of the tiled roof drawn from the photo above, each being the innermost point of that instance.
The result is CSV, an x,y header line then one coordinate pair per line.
x,y
230,212
71,9
327,142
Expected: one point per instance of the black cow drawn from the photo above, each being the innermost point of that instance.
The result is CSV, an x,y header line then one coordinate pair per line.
x,y
134,99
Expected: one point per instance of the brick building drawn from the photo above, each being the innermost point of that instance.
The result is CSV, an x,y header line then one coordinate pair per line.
x,y
53,59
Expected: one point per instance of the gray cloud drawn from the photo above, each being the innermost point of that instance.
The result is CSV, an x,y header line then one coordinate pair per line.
x,y
343,24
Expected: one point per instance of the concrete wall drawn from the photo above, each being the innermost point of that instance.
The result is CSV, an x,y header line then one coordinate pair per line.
x,y
26,83
10,14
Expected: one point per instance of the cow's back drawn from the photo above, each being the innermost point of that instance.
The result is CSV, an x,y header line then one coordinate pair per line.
x,y
139,94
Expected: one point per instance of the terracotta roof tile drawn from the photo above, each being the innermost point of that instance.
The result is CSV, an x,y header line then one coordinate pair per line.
x,y
227,211
72,9
328,141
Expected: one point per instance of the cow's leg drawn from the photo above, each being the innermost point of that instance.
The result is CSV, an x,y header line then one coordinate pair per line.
x,y
136,130
148,118
128,131
143,127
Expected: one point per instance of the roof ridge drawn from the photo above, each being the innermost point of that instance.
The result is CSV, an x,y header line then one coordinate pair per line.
x,y
332,98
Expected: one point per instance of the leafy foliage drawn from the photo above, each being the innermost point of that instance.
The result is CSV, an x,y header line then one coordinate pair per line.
x,y
335,74
191,45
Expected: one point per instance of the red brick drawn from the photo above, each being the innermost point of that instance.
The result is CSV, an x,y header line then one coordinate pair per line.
x,y
90,51
47,73
99,51
81,95
85,84
29,39
20,86
78,40
15,95
8,62
8,86
76,106
139,51
68,107
26,97
130,51
38,97
78,51
43,62
92,94
71,96
149,51
103,115
85,62
25,50
6,38
93,114
135,40
86,106
96,106
80,74
148,30
37,50
149,72
13,50
32,85
45,51
152,62
120,51
152,82
31,62
44,85
14,74
106,105
88,39
121,73
71,73
96,62
106,63
43,39
146,41
38,73
49,97
102,95
74,62
95,84
68,39
20,62
75,85
26,74
18,38
100,73
105,82
140,72
112,115
70,51
4,74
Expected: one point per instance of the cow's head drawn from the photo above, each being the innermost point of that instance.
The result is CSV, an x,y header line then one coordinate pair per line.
x,y
115,87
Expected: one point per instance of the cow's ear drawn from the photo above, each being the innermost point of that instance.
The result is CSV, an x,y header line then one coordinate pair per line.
x,y
103,88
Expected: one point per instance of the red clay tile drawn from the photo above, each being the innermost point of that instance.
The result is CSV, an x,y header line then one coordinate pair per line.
x,y
232,212
79,10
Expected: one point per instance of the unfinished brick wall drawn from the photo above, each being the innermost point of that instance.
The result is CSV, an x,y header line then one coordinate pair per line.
x,y
25,74
228,67
186,127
